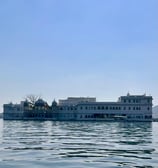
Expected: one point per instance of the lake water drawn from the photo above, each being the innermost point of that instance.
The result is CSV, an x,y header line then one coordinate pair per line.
x,y
78,144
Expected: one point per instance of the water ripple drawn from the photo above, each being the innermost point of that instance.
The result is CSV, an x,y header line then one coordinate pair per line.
x,y
85,144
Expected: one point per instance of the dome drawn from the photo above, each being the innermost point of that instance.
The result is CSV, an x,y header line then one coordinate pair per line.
x,y
54,103
40,103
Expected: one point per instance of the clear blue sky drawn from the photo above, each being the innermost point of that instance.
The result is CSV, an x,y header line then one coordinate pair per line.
x,y
61,48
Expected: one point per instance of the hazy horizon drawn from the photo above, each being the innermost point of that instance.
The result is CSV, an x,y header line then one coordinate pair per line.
x,y
59,49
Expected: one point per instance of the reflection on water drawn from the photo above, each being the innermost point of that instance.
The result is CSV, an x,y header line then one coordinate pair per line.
x,y
78,144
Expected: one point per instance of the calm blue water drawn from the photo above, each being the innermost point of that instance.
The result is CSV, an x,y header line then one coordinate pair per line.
x,y
78,144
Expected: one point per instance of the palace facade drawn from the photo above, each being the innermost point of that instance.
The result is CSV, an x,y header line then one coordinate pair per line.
x,y
127,108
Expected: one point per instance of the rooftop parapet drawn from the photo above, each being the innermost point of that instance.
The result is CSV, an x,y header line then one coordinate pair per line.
x,y
76,100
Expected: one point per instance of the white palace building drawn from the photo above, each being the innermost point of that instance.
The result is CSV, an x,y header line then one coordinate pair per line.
x,y
127,108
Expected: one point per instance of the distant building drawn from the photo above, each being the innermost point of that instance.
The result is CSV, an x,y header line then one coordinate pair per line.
x,y
127,108
1,115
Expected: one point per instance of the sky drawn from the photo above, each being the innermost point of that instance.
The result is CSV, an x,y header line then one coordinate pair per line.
x,y
62,48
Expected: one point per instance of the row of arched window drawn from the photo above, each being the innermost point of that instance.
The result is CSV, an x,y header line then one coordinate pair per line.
x,y
102,108
109,108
